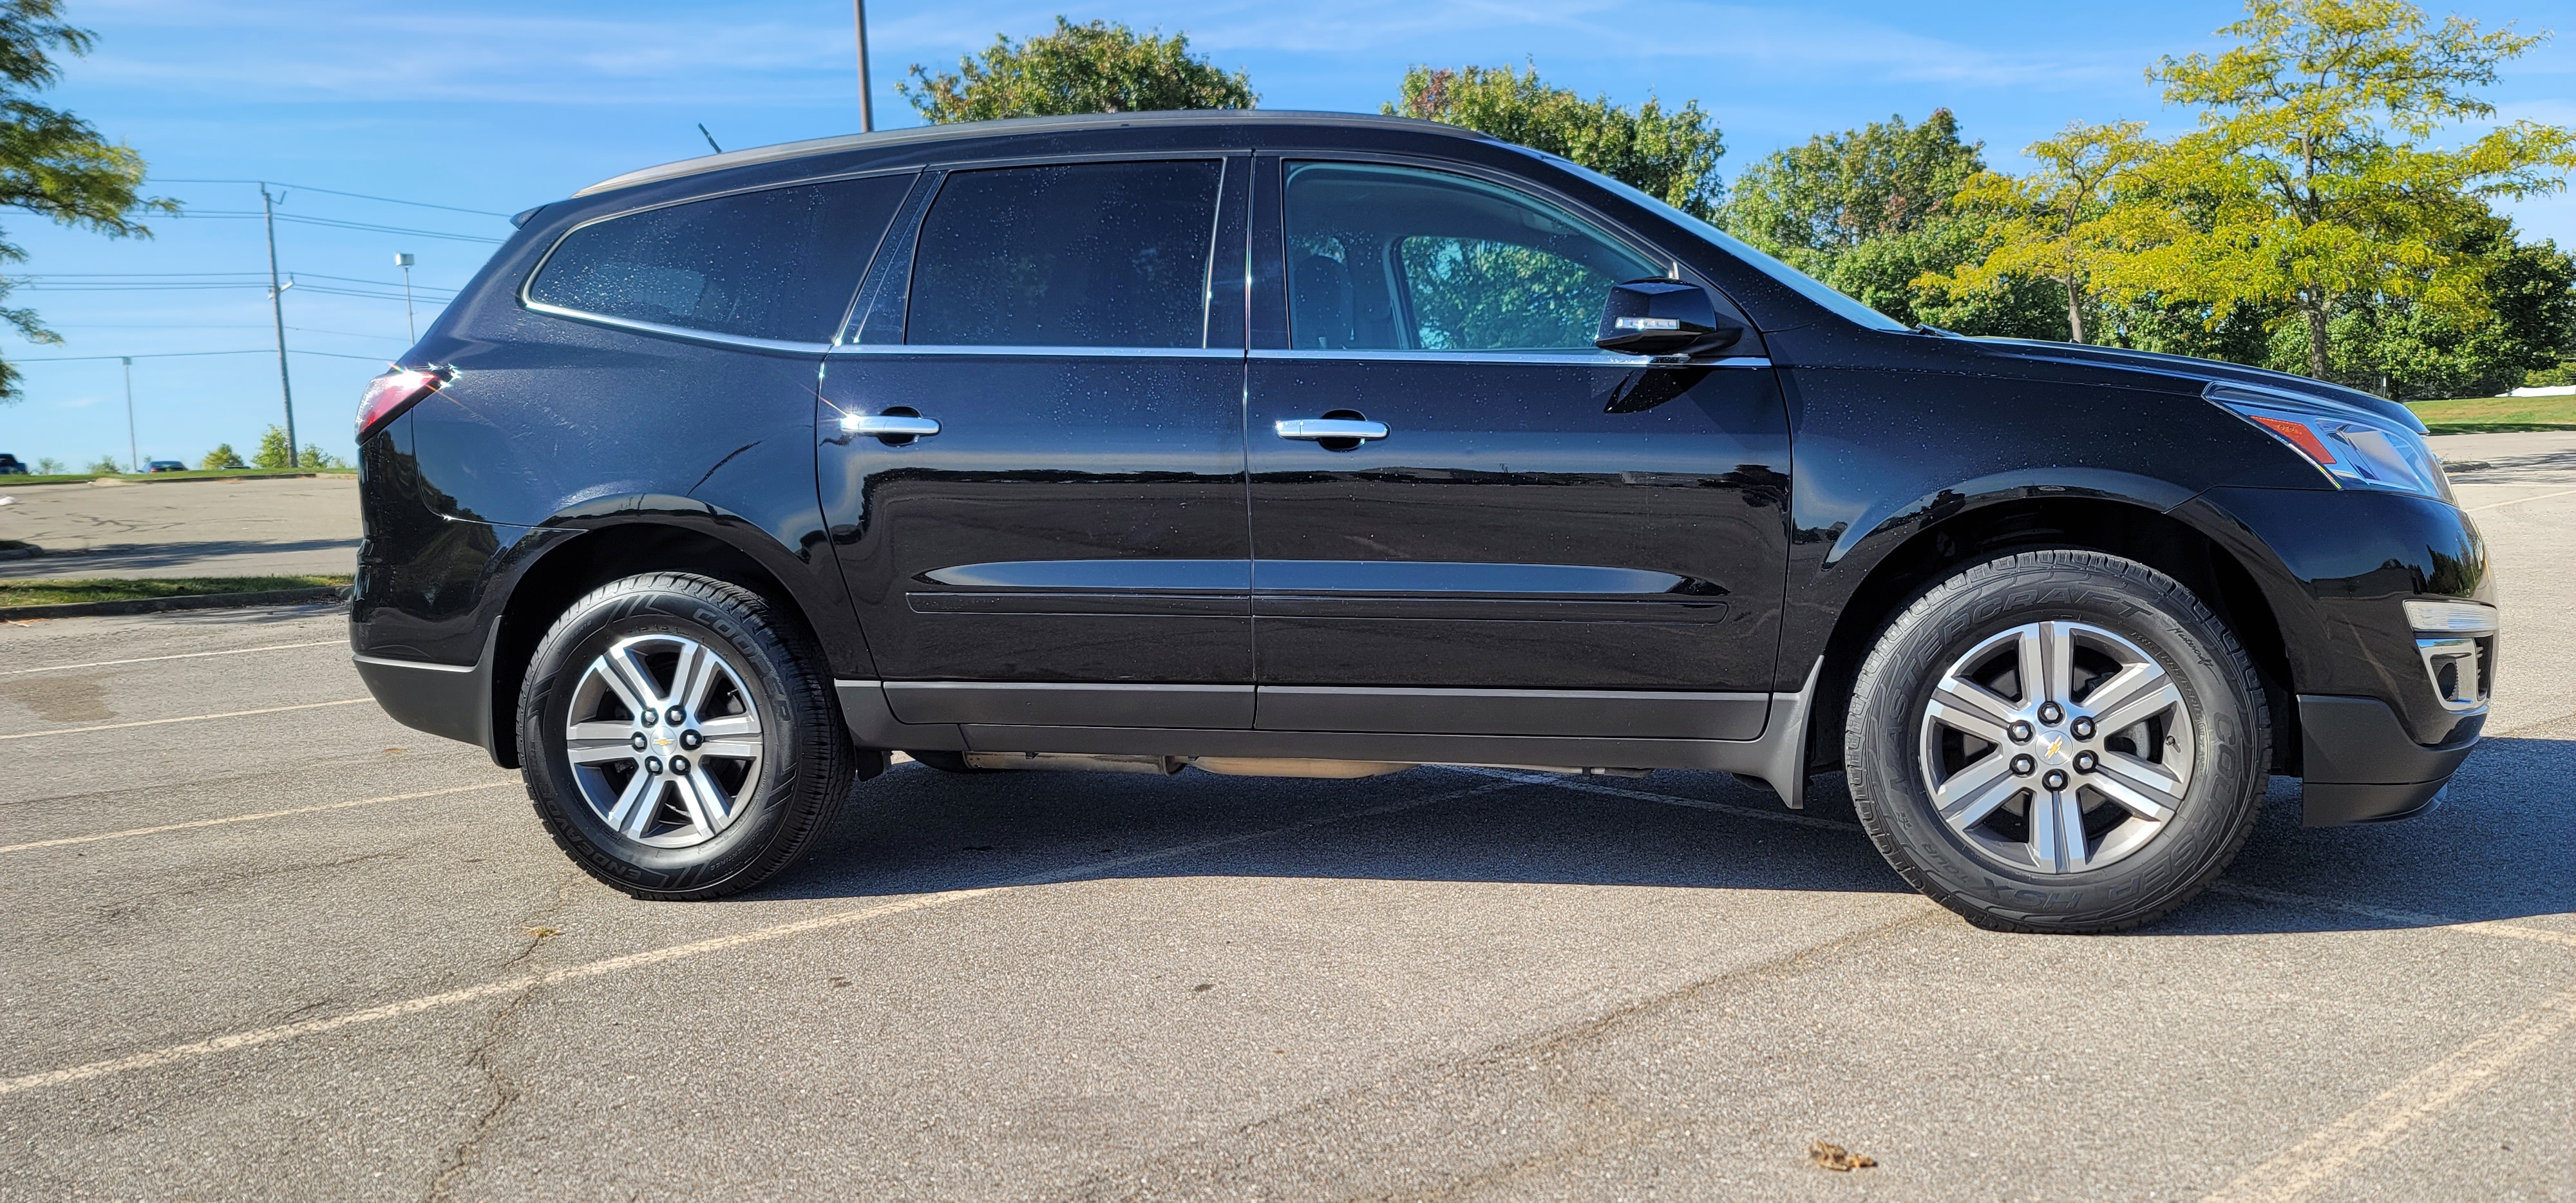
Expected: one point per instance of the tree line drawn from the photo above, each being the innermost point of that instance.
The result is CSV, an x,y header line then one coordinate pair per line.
x,y
2331,212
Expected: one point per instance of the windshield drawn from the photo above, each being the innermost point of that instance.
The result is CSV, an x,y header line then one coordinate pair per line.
x,y
1805,285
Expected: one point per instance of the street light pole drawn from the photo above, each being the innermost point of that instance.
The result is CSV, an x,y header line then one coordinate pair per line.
x,y
277,311
133,458
867,110
402,259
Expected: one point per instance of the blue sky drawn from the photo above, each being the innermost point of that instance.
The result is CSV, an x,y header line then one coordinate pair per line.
x,y
496,107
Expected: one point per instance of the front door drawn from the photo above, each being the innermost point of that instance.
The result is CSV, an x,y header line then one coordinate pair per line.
x,y
1069,546
1502,529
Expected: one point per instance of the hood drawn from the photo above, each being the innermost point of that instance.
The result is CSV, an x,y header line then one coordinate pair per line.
x,y
2290,389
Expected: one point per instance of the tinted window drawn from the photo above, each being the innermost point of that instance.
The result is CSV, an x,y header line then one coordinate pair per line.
x,y
1391,258
776,264
1080,255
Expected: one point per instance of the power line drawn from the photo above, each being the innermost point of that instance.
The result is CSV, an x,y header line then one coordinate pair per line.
x,y
390,200
336,224
187,354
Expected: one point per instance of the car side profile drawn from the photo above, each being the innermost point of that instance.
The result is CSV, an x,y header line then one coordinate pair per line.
x,y
1326,445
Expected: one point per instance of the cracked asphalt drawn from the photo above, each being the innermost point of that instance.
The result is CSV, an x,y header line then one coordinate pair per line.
x,y
262,943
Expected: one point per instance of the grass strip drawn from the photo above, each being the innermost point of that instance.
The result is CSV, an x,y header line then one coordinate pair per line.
x,y
154,478
2492,415
100,589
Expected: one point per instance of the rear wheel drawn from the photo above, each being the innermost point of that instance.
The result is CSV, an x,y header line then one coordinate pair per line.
x,y
2058,741
679,740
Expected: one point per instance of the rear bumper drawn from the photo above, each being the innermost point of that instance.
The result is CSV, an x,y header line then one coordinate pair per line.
x,y
453,700
2363,768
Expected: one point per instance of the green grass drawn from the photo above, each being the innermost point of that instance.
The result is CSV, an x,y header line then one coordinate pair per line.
x,y
65,592
2487,415
145,478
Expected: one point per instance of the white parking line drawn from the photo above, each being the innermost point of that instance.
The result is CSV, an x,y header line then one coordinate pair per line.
x,y
193,718
238,651
2493,505
412,1006
265,814
2371,1128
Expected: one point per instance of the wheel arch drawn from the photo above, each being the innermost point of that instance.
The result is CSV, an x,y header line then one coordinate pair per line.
x,y
2212,570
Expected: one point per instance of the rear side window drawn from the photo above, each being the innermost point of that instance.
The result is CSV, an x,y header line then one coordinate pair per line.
x,y
1077,255
778,264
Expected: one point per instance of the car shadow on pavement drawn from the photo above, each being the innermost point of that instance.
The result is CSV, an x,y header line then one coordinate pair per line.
x,y
115,558
2482,856
2540,467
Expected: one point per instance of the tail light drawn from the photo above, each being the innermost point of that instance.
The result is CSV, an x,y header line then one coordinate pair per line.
x,y
387,396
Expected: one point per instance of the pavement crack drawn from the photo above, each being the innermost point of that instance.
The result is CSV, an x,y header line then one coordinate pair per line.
x,y
503,1090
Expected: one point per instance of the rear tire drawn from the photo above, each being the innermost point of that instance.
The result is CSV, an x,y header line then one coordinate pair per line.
x,y
680,738
2013,805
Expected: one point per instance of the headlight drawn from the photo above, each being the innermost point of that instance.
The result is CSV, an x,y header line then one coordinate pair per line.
x,y
2354,450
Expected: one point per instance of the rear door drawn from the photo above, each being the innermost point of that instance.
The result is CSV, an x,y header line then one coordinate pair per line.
x,y
1069,547
1546,538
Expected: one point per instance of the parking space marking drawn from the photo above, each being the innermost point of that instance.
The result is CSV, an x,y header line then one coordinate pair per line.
x,y
238,651
265,814
2371,1128
2494,505
193,718
170,1054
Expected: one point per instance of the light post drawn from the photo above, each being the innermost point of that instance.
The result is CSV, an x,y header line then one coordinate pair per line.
x,y
867,110
403,260
133,458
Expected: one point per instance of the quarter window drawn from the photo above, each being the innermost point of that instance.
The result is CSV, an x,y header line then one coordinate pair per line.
x,y
1395,258
1074,255
777,264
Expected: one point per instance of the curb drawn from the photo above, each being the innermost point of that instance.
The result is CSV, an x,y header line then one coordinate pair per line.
x,y
201,601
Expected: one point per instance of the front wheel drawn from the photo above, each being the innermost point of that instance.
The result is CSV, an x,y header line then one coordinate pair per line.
x,y
2058,741
680,739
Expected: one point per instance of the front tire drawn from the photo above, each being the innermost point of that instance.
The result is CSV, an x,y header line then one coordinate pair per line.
x,y
680,739
2058,741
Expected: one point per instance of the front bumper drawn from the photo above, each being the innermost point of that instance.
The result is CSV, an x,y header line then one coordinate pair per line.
x,y
2362,767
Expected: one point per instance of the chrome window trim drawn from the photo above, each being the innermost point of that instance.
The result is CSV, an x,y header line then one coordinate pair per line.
x,y
979,349
709,336
1596,359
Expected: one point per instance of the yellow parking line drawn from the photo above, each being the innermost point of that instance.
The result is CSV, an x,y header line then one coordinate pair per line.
x,y
193,718
2371,1128
265,814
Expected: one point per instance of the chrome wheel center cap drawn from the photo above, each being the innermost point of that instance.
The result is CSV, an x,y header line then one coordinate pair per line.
x,y
2055,750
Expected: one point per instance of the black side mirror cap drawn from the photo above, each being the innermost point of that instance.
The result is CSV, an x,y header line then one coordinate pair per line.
x,y
1664,317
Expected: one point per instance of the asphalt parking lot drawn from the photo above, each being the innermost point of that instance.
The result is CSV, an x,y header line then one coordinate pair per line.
x,y
165,528
264,943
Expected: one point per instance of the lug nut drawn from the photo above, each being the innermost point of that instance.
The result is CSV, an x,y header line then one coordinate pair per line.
x,y
2085,761
647,718
2020,731
2083,728
639,741
680,765
2049,713
2055,780
652,764
691,739
673,716
2022,766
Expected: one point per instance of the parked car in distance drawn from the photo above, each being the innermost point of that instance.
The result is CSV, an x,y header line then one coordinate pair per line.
x,y
165,465
1326,445
11,465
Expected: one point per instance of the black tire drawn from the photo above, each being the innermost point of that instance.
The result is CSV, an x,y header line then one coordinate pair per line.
x,y
804,771
2229,728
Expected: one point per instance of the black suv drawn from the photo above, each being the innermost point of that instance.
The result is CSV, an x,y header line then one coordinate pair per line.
x,y
1324,445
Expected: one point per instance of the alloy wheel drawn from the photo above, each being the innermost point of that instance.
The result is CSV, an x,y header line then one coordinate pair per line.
x,y
664,741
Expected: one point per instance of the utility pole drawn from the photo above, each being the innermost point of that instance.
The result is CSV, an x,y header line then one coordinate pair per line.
x,y
867,110
402,259
277,311
133,458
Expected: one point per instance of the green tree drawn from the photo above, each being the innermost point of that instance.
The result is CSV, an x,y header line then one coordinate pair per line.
x,y
315,457
1670,156
2062,223
49,466
51,162
2314,177
1870,211
1101,67
106,465
223,456
2525,322
274,451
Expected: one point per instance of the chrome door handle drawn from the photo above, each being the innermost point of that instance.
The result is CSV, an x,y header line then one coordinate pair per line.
x,y
889,425
1315,429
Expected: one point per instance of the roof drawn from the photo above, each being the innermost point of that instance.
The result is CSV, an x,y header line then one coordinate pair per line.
x,y
1015,125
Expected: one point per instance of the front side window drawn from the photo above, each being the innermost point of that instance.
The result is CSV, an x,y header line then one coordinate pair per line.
x,y
777,264
1402,259
1072,255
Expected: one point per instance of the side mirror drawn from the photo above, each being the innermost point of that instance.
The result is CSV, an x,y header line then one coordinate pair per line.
x,y
1663,317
